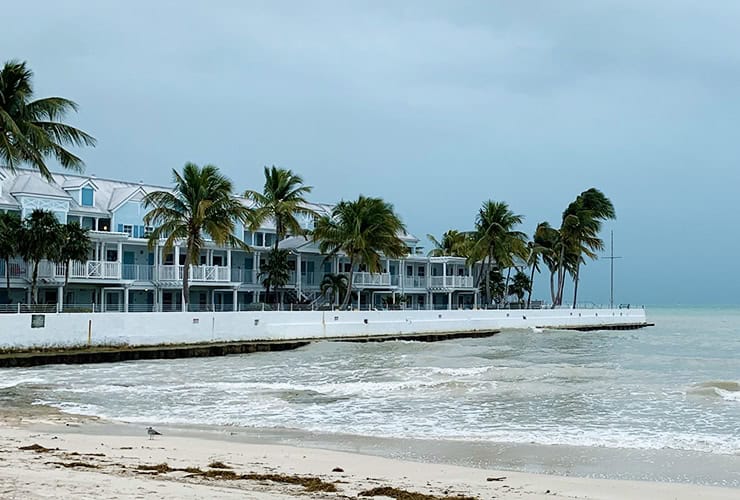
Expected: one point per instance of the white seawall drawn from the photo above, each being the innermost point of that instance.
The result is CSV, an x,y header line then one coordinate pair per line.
x,y
28,331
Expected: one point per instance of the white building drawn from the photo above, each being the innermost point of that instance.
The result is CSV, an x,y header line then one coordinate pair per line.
x,y
123,274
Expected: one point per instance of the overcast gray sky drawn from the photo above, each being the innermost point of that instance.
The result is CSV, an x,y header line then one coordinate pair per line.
x,y
434,106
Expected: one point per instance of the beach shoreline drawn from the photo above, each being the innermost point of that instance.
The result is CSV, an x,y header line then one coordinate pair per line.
x,y
111,453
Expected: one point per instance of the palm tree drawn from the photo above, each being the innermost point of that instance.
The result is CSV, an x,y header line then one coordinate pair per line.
x,y
496,239
590,208
30,130
201,203
281,199
335,285
549,240
10,228
40,238
519,286
276,272
362,230
537,248
454,242
75,246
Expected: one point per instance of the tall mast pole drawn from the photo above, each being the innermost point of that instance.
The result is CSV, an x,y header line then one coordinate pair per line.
x,y
611,276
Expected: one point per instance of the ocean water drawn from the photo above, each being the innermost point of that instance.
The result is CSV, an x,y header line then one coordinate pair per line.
x,y
675,386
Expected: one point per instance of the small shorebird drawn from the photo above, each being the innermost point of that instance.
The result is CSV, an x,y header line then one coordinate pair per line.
x,y
152,432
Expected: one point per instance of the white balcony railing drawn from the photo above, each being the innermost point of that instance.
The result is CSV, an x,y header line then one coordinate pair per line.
x,y
414,282
452,282
91,269
197,273
137,272
371,279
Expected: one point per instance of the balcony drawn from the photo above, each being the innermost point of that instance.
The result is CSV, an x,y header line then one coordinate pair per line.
x,y
451,282
371,279
202,274
415,282
247,276
137,272
91,269
15,269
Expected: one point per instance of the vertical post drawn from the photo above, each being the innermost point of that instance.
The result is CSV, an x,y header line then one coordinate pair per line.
x,y
125,299
234,299
60,298
444,274
89,332
611,276
298,274
449,300
119,258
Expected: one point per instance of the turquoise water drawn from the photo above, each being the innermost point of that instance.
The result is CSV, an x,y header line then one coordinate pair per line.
x,y
675,386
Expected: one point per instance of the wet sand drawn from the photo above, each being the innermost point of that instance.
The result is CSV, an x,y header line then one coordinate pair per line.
x,y
82,457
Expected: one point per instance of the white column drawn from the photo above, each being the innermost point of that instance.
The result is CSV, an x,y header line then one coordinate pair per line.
x,y
255,267
475,300
444,274
60,298
234,299
449,300
429,274
402,275
298,274
119,259
228,258
359,300
125,299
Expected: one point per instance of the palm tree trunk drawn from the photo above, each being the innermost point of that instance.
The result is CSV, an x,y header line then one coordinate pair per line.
x,y
561,277
66,281
346,300
7,278
531,285
575,284
552,288
506,286
34,281
488,281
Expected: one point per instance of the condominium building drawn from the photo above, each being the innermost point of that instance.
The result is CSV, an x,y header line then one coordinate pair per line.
x,y
125,273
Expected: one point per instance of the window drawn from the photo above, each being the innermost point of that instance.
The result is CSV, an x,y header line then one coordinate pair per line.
x,y
269,239
421,271
248,237
147,231
87,197
259,239
128,229
218,260
111,255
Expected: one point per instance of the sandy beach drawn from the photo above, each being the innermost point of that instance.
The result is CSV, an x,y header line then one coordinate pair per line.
x,y
48,454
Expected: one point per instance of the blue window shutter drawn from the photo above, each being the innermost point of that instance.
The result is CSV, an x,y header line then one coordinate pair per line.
x,y
120,228
87,197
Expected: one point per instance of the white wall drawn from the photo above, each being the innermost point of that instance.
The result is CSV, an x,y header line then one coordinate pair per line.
x,y
65,330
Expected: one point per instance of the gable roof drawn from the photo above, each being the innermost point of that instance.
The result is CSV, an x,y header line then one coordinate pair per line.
x,y
121,195
78,182
34,185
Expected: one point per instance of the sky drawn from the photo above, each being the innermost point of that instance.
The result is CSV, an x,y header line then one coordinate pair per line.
x,y
435,106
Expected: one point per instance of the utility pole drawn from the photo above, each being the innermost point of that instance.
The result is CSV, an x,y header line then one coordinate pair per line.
x,y
611,277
